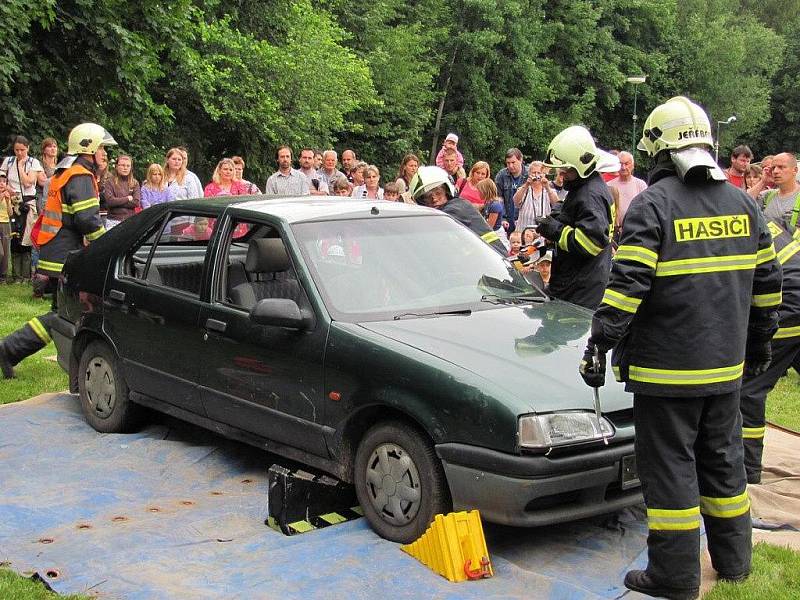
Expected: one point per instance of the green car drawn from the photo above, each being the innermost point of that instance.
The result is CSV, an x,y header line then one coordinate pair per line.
x,y
382,343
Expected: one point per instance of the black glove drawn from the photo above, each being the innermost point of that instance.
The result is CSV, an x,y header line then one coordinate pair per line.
x,y
593,374
757,359
549,227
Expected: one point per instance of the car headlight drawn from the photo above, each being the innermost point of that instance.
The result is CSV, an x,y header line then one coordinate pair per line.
x,y
562,428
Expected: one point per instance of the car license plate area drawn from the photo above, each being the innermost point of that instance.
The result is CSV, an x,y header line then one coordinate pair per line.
x,y
630,476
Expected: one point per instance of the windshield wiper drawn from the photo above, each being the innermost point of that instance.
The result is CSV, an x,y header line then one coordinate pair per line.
x,y
521,299
409,315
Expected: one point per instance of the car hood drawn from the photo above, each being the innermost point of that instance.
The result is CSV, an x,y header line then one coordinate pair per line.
x,y
531,353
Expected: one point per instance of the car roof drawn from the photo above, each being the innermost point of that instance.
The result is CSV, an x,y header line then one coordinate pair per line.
x,y
313,208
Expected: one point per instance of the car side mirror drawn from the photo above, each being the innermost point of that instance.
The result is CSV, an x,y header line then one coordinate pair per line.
x,y
279,312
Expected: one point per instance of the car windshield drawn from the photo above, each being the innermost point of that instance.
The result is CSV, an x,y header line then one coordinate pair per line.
x,y
407,267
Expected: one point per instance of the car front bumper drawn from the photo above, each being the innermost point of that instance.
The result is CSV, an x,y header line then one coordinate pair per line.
x,y
535,490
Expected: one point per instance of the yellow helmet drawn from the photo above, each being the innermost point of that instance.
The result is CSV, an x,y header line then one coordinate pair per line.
x,y
574,147
86,138
676,124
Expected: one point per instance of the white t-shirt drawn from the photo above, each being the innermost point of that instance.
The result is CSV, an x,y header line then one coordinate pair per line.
x,y
9,167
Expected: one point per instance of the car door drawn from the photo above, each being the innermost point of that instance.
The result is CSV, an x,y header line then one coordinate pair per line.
x,y
152,309
266,380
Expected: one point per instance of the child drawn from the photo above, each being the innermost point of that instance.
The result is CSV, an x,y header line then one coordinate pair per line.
x,y
543,266
451,141
199,230
515,240
391,192
6,210
341,187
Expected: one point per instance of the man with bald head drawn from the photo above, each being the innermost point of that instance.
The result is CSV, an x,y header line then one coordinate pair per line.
x,y
628,186
348,164
783,203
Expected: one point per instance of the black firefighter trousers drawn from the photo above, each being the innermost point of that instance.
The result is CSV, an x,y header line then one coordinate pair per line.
x,y
785,353
35,334
690,461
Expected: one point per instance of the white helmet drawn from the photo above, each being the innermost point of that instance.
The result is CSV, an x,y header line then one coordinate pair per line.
x,y
574,147
86,138
429,178
676,124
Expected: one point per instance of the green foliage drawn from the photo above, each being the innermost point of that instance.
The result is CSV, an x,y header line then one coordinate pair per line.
x,y
721,65
386,77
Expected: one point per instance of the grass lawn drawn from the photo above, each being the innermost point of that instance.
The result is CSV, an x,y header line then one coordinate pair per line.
x,y
776,571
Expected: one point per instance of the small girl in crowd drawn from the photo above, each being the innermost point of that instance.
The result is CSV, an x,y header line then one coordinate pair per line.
x,y
155,189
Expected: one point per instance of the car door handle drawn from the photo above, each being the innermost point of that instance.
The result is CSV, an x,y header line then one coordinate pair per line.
x,y
117,295
214,325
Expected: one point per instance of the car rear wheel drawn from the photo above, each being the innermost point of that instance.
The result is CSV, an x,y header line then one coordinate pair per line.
x,y
103,391
399,481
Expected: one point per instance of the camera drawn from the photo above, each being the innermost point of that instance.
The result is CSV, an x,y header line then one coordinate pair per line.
x,y
536,177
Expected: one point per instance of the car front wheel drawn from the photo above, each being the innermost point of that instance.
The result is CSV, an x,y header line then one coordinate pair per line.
x,y
399,481
103,391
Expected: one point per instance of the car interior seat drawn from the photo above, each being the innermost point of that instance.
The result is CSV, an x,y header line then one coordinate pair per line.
x,y
270,272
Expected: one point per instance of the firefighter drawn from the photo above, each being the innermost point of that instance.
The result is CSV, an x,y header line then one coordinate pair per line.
x,y
785,350
432,186
71,214
581,230
690,306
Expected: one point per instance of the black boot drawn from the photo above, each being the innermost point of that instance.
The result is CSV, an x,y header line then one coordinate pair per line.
x,y
639,581
5,363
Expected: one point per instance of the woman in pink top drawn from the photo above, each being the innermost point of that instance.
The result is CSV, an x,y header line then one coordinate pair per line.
x,y
479,171
223,183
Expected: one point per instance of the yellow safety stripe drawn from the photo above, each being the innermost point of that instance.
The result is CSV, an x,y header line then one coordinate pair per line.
x,y
490,236
753,433
788,251
706,264
587,243
620,301
765,254
39,330
617,374
563,241
765,300
95,234
79,206
685,376
50,266
638,254
663,519
782,333
725,508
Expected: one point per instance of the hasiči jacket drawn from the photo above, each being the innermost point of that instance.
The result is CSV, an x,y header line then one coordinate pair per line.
x,y
694,281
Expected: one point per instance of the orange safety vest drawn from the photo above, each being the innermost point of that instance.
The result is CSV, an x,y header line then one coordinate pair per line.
x,y
49,222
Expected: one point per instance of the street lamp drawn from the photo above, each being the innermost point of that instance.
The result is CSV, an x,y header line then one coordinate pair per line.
x,y
635,80
728,121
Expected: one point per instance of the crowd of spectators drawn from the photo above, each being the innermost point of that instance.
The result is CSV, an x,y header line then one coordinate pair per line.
x,y
511,201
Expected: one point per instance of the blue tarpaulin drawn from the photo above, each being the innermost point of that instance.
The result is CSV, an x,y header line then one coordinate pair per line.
x,y
175,511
